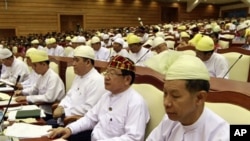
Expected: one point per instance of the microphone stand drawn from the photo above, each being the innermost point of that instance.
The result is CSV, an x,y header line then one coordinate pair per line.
x,y
5,111
232,66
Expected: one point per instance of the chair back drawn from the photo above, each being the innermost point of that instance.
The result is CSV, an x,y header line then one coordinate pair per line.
x,y
234,107
54,66
154,100
240,70
69,77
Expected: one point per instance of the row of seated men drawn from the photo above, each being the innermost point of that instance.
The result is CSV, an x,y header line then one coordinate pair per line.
x,y
108,108
205,46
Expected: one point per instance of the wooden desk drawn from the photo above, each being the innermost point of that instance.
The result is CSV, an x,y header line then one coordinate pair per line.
x,y
36,139
219,84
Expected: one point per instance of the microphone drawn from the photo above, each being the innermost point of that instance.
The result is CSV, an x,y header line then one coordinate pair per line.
x,y
142,56
17,80
232,66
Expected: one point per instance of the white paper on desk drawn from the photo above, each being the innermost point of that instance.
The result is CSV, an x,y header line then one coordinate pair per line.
x,y
12,114
4,96
25,130
4,103
7,82
7,88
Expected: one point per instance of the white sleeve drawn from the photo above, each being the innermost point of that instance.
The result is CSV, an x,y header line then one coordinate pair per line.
x,y
55,91
93,94
221,68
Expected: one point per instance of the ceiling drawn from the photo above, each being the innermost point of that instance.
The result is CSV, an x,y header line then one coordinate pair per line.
x,y
206,1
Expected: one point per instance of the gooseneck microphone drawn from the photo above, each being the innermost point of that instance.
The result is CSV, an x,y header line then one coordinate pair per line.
x,y
232,66
142,56
7,106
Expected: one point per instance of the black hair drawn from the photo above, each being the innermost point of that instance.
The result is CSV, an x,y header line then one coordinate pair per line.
x,y
131,73
197,85
207,52
91,60
47,62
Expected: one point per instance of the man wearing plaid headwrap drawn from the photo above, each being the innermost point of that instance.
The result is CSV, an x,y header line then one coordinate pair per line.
x,y
120,114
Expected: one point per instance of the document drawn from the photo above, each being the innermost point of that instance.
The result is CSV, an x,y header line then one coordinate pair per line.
x,y
7,82
4,96
4,103
7,88
25,130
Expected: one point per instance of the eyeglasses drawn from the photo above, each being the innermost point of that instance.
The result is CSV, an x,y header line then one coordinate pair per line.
x,y
111,73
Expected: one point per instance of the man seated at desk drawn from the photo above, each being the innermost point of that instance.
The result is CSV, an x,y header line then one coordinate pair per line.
x,y
12,67
216,64
185,91
49,87
86,89
120,114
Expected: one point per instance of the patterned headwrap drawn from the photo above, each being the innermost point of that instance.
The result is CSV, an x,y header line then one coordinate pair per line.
x,y
120,62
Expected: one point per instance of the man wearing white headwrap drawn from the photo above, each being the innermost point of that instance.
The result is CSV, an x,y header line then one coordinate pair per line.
x,y
12,67
118,48
76,41
185,91
106,42
86,89
216,64
159,45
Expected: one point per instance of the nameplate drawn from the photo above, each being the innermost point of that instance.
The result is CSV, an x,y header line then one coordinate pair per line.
x,y
239,132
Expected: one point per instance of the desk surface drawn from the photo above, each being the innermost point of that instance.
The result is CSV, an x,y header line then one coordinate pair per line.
x,y
37,139
219,84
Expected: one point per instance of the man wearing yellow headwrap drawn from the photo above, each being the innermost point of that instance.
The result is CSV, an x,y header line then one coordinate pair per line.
x,y
216,64
185,91
137,53
49,87
121,114
33,76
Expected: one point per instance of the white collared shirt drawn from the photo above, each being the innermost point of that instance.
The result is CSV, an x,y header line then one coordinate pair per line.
x,y
209,127
121,117
49,88
84,93
11,73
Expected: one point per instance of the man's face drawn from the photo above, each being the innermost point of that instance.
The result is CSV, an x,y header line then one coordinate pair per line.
x,y
7,61
117,47
180,105
160,48
115,81
134,48
203,56
79,65
96,46
39,67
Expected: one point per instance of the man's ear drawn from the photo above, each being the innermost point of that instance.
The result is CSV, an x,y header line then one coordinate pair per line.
x,y
201,97
127,79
